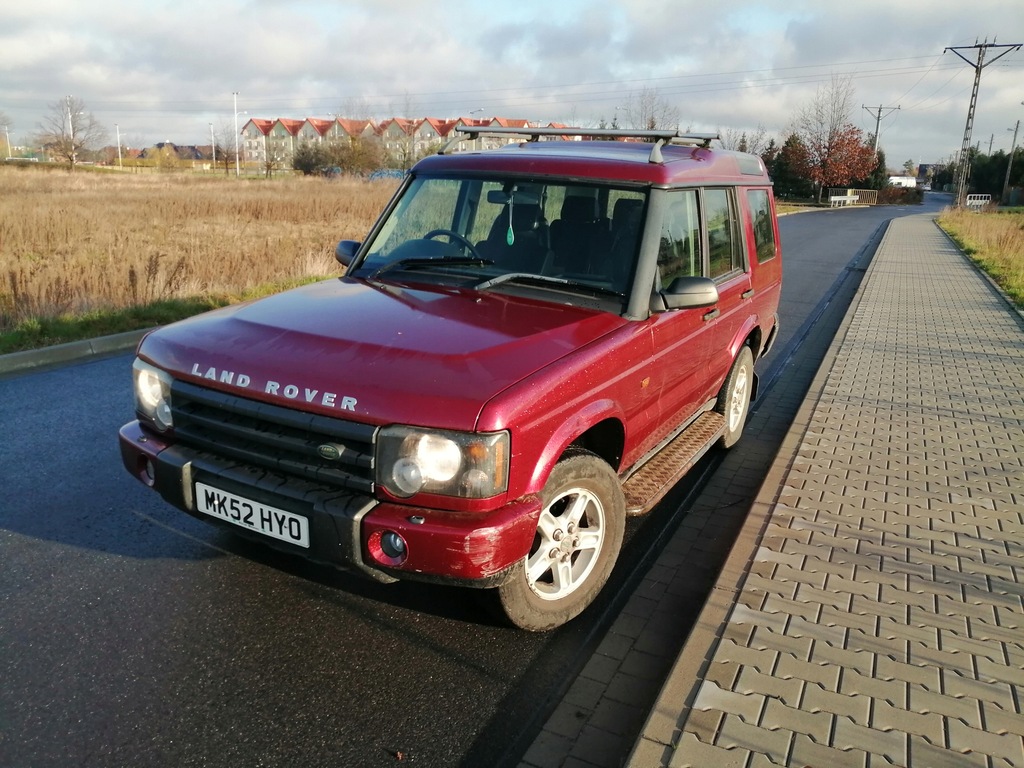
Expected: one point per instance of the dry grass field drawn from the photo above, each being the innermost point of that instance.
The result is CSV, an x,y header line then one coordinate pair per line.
x,y
86,254
995,242
82,243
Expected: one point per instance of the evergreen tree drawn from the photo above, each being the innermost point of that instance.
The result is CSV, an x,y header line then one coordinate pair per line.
x,y
787,170
309,158
878,178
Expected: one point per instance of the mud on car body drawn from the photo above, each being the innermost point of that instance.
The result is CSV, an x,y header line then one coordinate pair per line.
x,y
531,344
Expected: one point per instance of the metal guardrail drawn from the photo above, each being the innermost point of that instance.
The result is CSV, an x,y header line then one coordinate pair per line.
x,y
864,196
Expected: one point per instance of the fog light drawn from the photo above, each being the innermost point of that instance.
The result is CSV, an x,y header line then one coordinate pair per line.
x,y
387,548
392,545
148,474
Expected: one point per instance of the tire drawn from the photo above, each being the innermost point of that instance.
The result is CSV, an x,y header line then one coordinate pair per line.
x,y
734,399
579,535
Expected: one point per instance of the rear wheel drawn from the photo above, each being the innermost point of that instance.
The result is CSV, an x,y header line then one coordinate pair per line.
x,y
734,399
579,534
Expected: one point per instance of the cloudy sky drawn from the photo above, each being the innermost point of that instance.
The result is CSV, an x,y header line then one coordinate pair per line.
x,y
166,71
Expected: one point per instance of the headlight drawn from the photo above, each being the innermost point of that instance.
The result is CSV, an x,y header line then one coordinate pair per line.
x,y
469,465
152,395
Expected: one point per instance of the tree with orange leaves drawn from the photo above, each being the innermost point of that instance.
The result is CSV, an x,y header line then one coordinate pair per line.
x,y
834,149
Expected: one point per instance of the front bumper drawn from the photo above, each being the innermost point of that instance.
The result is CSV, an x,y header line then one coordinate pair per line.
x,y
461,548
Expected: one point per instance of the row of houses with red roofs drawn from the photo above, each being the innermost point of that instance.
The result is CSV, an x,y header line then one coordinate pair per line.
x,y
276,140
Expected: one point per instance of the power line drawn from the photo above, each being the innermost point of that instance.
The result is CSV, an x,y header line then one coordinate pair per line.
x,y
589,91
922,77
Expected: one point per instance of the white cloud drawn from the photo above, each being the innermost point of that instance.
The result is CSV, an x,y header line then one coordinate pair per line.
x,y
167,71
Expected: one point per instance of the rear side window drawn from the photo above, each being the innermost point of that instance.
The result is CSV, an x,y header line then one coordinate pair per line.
x,y
723,234
764,233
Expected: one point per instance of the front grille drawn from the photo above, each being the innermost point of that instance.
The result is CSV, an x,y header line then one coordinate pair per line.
x,y
279,439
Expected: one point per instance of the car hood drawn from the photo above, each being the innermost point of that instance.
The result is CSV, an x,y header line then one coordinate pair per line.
x,y
376,353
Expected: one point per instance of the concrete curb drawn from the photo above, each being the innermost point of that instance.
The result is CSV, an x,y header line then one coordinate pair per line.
x,y
73,351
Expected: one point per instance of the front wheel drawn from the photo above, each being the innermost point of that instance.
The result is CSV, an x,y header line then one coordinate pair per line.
x,y
578,538
734,399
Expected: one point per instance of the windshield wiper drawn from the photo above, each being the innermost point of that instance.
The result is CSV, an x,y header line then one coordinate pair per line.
x,y
418,263
510,277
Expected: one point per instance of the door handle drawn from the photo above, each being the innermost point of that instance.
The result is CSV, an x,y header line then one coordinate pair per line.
x,y
711,315
747,293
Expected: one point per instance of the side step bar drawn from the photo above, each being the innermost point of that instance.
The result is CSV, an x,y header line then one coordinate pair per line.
x,y
652,481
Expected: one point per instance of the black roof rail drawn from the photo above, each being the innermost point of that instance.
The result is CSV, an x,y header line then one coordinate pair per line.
x,y
659,137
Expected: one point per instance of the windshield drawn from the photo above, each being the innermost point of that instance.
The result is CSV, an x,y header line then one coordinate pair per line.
x,y
486,233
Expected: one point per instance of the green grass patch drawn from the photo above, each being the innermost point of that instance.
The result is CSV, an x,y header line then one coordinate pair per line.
x,y
791,207
47,331
994,241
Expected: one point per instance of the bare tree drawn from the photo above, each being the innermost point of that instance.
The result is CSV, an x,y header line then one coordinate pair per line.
x,y
648,111
829,110
225,144
732,138
69,129
755,142
355,109
836,153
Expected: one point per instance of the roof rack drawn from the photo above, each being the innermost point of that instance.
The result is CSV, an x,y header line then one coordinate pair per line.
x,y
659,137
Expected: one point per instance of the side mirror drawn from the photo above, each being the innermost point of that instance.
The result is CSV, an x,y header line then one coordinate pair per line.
x,y
346,251
686,293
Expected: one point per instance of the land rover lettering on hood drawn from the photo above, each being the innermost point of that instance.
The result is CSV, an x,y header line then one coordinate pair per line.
x,y
530,344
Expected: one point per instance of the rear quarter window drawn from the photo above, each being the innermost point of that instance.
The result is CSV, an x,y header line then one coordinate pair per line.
x,y
764,232
723,235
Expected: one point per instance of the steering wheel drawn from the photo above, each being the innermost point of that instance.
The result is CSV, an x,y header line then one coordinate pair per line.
x,y
464,241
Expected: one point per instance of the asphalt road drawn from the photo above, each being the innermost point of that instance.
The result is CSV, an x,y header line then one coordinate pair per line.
x,y
131,634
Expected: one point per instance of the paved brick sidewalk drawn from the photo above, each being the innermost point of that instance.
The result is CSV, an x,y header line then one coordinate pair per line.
x,y
879,618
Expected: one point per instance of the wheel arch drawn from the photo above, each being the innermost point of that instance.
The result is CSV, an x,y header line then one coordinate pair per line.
x,y
606,440
748,334
597,429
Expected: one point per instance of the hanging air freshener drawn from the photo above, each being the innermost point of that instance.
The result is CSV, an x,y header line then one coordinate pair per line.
x,y
510,236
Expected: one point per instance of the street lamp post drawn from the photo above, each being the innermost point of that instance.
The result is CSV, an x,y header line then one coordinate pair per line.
x,y
1009,164
71,131
237,165
8,134
213,148
118,129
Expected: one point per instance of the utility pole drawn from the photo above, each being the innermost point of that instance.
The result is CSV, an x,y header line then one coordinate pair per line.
x,y
878,120
961,174
118,129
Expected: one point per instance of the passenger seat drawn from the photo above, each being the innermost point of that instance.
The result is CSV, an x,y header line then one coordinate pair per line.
x,y
577,237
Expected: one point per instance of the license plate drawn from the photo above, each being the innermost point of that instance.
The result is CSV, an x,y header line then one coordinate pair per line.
x,y
245,513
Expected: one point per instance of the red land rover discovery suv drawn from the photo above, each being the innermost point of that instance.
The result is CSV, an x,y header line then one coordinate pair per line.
x,y
532,343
